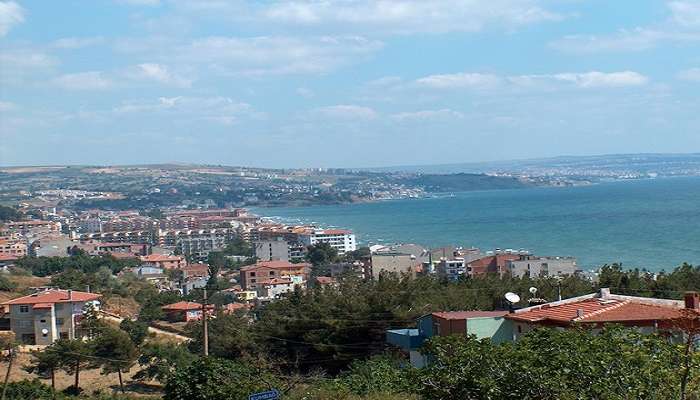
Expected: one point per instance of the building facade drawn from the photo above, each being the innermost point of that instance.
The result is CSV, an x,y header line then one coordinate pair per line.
x,y
44,317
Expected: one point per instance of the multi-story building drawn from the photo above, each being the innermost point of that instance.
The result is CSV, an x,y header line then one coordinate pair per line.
x,y
272,250
164,261
262,272
44,317
196,243
340,239
451,269
139,237
533,266
390,262
13,246
33,227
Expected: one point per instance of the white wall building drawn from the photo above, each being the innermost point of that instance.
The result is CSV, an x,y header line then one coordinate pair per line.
x,y
340,239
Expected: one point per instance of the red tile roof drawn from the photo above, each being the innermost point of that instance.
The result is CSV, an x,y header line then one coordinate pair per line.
x,y
468,314
160,257
275,265
54,296
325,280
184,306
596,310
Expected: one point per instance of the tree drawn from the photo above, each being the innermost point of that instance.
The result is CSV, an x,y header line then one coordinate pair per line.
x,y
215,378
137,330
9,214
43,363
229,337
115,352
74,355
321,254
159,361
9,345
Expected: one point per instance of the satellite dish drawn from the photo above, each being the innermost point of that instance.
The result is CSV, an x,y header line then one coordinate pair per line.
x,y
44,331
533,290
512,297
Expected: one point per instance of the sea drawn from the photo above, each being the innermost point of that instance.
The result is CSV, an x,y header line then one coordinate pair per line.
x,y
651,224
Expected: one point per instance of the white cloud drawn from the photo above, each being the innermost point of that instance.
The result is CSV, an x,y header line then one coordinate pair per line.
x,y
408,16
11,14
424,115
595,79
218,109
7,106
305,92
158,73
25,59
254,56
692,74
91,80
683,25
140,2
347,111
459,80
592,79
77,42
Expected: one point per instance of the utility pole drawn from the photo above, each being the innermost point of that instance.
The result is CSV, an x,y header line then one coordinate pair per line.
x,y
558,278
205,327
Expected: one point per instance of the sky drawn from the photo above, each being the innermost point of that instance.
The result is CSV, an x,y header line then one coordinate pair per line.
x,y
345,83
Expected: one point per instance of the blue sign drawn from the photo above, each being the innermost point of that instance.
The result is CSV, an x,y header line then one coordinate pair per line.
x,y
273,394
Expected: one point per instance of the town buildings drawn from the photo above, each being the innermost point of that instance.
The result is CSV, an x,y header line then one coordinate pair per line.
x,y
44,317
257,275
591,311
164,261
533,266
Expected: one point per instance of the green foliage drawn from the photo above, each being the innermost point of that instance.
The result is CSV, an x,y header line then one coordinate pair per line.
x,y
137,330
29,390
643,283
322,254
229,337
9,214
572,364
152,300
160,361
238,247
214,378
381,374
45,266
6,284
115,350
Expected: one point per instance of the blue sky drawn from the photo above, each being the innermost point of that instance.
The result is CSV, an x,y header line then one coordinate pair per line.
x,y
345,83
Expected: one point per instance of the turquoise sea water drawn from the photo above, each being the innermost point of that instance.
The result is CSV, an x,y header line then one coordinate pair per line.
x,y
653,224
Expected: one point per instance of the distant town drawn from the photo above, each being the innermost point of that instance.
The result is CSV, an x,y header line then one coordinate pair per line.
x,y
155,267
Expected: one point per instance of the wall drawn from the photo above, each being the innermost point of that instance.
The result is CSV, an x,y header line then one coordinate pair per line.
x,y
498,329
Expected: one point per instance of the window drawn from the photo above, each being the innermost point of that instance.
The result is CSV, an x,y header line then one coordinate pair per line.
x,y
59,321
272,273
252,274
24,308
43,321
25,324
252,281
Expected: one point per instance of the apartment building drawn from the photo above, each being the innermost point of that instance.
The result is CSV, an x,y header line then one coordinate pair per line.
x,y
272,250
340,239
533,266
253,276
163,261
44,317
390,262
33,227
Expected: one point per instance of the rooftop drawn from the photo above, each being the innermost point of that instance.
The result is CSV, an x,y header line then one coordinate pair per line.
x,y
54,296
468,314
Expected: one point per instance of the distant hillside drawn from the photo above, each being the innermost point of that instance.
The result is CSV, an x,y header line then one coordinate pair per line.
x,y
463,182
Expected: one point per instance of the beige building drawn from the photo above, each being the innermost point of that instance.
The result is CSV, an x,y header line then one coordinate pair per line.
x,y
44,317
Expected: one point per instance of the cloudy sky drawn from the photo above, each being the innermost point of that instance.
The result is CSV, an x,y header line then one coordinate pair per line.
x,y
347,83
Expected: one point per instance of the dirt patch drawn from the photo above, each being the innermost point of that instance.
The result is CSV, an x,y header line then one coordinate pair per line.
x,y
90,380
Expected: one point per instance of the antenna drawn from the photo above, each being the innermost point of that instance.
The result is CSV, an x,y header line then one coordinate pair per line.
x,y
512,297
533,290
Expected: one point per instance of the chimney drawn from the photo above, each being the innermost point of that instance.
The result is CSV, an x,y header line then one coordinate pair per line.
x,y
70,295
579,313
692,300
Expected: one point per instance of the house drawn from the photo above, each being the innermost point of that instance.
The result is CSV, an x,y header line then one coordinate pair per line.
x,y
164,261
392,262
277,287
534,266
44,317
326,281
592,310
254,275
482,324
185,311
596,309
491,264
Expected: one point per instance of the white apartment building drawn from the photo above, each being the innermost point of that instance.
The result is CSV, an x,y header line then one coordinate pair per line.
x,y
340,239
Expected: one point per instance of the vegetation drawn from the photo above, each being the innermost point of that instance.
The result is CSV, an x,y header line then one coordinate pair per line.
x,y
9,214
45,266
